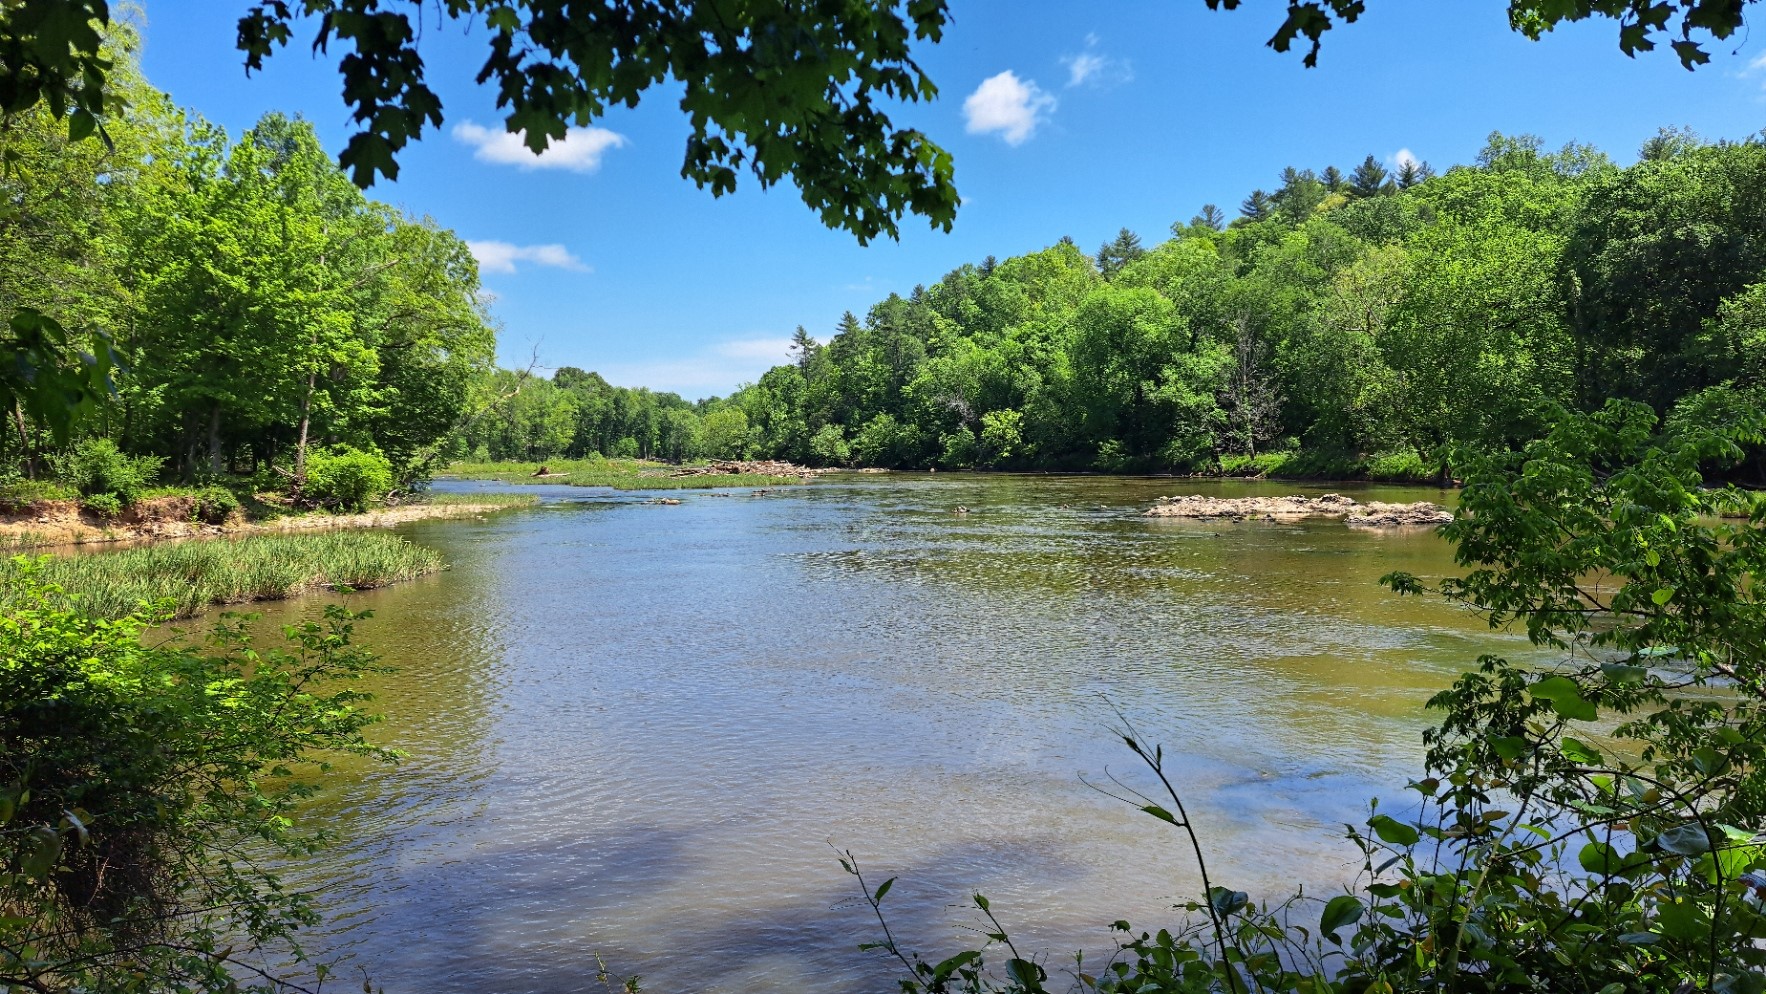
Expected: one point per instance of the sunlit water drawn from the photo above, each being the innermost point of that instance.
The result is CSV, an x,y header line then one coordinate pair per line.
x,y
642,731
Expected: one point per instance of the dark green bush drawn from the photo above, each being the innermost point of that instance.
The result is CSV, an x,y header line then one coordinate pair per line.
x,y
18,495
103,505
133,776
344,478
214,505
96,466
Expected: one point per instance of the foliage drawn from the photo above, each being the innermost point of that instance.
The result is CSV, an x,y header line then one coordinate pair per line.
x,y
142,785
184,578
617,474
19,495
97,467
342,478
1593,826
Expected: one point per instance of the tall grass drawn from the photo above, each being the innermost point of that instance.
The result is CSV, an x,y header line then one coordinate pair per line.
x,y
192,575
619,474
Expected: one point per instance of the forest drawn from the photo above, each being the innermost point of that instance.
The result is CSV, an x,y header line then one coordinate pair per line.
x,y
248,311
1346,324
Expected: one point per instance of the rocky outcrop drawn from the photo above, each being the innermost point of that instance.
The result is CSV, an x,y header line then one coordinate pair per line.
x,y
1372,514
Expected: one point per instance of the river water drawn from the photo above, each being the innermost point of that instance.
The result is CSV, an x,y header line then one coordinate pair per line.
x,y
642,731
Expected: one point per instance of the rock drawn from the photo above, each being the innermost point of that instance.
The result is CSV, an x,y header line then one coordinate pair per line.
x,y
1374,514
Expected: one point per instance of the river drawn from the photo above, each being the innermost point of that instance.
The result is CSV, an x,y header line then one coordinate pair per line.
x,y
642,731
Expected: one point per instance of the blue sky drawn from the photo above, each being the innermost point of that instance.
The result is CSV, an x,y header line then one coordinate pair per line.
x,y
1134,113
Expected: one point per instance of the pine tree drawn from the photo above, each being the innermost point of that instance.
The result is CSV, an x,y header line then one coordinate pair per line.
x,y
988,265
804,348
1369,179
1332,178
1211,217
1411,172
1257,206
1118,253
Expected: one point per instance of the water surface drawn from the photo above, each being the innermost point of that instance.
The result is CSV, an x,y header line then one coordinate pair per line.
x,y
641,731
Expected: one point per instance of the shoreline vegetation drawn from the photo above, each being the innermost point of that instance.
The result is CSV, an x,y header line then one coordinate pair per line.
x,y
179,516
635,474
181,579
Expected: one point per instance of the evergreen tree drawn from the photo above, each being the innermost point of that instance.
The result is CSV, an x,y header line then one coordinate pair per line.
x,y
1124,249
804,348
1411,172
1369,179
1332,178
1211,217
1257,206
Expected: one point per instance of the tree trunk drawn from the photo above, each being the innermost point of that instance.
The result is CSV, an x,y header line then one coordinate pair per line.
x,y
306,420
215,465
24,441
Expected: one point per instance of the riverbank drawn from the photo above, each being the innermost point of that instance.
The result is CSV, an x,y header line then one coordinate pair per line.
x,y
185,578
636,474
49,523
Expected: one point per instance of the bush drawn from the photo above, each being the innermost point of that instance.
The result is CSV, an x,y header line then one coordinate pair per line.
x,y
214,505
103,505
18,495
132,778
1400,467
343,478
828,446
96,466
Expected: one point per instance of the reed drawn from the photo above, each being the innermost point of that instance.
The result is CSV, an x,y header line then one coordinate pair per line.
x,y
190,576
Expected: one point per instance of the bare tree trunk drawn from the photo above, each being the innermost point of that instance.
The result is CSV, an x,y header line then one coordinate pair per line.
x,y
306,420
214,440
24,440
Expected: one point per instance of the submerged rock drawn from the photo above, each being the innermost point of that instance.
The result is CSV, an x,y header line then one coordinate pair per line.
x,y
1373,514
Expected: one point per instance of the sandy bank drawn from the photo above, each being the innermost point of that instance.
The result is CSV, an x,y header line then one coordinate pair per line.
x,y
63,522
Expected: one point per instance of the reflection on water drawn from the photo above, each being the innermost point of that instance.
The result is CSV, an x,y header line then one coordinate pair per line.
x,y
635,730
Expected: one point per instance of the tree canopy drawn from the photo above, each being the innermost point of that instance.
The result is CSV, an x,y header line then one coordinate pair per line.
x,y
792,91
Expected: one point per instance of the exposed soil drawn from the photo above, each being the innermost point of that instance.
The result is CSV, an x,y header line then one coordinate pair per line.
x,y
1356,514
63,522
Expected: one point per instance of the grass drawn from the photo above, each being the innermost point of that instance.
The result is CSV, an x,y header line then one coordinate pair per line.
x,y
1398,467
477,499
619,474
190,576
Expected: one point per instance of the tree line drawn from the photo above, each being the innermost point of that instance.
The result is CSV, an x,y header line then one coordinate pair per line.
x,y
250,305
1357,319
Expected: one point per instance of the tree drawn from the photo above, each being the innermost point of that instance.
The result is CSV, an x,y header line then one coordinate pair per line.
x,y
1210,217
1257,206
725,433
1119,252
1332,178
1369,179
1250,399
1411,172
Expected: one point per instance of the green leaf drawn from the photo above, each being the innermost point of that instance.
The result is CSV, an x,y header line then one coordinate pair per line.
x,y
883,889
38,852
1565,697
1226,901
1393,831
1339,911
1599,857
1159,813
1577,751
1662,596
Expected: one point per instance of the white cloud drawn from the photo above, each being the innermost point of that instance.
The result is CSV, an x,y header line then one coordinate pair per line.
x,y
1095,68
501,257
1397,159
1008,105
715,369
579,151
1756,67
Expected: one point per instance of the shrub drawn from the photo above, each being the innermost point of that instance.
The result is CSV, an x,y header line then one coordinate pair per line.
x,y
344,478
1400,467
18,495
625,448
133,776
97,466
103,505
828,446
214,505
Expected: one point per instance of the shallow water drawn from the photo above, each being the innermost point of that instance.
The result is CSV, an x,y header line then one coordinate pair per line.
x,y
641,731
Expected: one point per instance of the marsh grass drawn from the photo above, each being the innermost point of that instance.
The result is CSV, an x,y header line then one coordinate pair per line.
x,y
619,474
190,576
492,499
